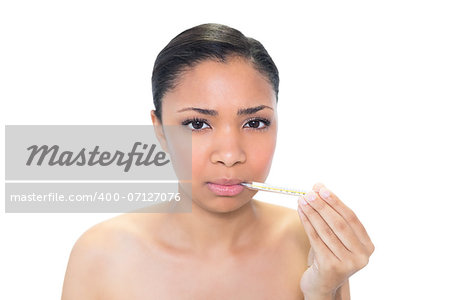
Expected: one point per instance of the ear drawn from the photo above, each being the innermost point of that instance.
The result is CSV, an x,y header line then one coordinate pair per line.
x,y
159,131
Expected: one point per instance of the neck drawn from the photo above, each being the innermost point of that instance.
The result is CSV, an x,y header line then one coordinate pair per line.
x,y
212,233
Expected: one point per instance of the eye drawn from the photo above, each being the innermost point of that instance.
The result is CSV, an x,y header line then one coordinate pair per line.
x,y
195,124
259,123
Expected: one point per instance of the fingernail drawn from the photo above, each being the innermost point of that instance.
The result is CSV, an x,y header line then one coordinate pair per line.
x,y
317,186
311,196
302,200
324,193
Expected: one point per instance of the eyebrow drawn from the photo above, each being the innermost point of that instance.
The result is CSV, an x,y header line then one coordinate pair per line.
x,y
212,112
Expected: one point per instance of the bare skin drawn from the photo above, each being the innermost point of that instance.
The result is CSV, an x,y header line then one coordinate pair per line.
x,y
229,247
126,258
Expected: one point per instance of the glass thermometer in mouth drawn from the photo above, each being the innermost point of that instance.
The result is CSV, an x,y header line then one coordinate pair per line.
x,y
271,188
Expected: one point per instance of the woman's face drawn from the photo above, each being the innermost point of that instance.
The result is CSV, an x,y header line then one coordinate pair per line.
x,y
229,110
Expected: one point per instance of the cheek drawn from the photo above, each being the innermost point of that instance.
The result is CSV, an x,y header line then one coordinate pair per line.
x,y
200,160
179,144
259,159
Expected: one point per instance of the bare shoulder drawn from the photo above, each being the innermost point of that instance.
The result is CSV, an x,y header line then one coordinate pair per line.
x,y
291,243
97,254
288,224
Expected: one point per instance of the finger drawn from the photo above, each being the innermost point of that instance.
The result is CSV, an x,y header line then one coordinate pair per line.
x,y
317,186
336,222
317,245
324,231
349,216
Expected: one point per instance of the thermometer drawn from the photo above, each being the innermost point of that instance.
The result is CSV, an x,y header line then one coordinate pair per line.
x,y
271,188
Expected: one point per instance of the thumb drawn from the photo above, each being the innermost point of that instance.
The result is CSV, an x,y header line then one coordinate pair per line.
x,y
310,256
312,262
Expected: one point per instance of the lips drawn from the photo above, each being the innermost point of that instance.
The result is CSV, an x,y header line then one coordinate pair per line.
x,y
226,187
225,181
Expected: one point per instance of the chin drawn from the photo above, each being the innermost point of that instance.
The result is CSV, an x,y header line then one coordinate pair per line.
x,y
222,204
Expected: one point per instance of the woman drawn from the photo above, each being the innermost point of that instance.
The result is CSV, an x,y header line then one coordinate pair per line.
x,y
222,88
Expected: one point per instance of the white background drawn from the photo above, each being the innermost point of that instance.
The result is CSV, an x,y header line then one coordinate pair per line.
x,y
363,108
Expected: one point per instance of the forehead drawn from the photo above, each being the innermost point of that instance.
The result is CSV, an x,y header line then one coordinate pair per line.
x,y
216,84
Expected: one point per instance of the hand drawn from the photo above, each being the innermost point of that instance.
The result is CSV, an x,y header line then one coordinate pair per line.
x,y
340,246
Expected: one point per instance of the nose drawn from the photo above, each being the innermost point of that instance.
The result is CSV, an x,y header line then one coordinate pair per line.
x,y
228,148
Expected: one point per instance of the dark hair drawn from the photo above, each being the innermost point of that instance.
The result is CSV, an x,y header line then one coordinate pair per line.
x,y
202,42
